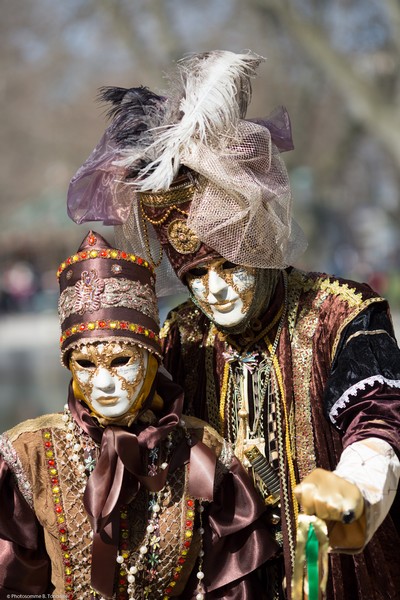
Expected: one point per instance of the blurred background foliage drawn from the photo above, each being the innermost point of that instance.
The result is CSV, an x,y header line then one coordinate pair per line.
x,y
333,64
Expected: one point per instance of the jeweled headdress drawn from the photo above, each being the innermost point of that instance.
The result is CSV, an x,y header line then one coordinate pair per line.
x,y
106,294
187,168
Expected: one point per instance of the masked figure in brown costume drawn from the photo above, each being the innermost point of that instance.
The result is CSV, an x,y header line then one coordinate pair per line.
x,y
120,496
299,371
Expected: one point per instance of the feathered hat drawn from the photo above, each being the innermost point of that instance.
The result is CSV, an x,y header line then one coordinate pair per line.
x,y
187,169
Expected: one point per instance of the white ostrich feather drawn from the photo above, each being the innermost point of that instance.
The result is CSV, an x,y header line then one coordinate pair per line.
x,y
212,93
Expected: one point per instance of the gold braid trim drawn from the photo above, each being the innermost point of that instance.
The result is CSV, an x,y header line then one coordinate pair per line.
x,y
366,332
31,425
288,446
224,392
175,195
350,318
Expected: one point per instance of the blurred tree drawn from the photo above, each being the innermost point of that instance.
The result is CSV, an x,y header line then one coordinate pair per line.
x,y
374,34
334,64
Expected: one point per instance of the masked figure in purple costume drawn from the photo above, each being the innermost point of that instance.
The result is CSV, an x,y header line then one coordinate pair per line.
x,y
120,496
299,371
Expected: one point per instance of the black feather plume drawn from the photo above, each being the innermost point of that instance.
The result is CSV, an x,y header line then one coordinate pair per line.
x,y
134,111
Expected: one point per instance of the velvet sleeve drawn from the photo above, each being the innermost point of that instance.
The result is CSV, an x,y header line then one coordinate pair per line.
x,y
24,563
362,396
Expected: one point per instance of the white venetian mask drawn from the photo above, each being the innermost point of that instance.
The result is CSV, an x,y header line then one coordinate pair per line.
x,y
110,376
223,290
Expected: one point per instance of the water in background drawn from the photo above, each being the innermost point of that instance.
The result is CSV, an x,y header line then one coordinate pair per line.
x,y
32,379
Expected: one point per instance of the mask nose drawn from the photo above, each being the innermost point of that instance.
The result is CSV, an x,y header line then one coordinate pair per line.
x,y
103,380
217,287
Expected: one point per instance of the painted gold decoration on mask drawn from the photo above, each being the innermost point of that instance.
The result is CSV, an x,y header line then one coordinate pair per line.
x,y
109,353
234,276
182,238
86,360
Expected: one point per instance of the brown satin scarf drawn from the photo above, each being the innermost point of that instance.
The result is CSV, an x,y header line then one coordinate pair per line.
x,y
120,471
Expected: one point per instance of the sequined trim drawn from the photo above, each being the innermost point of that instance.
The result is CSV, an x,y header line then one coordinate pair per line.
x,y
191,337
302,356
103,253
186,541
53,475
353,391
109,324
114,292
10,456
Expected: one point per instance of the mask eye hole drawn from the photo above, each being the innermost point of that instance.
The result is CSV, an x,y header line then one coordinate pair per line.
x,y
120,361
228,265
198,272
85,363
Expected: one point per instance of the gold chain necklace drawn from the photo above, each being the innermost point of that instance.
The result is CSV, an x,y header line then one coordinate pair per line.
x,y
241,414
155,263
264,369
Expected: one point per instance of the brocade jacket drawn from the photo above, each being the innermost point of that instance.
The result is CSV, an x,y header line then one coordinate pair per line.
x,y
335,377
57,540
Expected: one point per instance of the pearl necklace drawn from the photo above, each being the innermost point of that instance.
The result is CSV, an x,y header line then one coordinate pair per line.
x,y
137,571
82,450
84,457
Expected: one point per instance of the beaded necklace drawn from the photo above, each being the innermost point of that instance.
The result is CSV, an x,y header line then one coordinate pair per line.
x,y
82,450
138,569
242,366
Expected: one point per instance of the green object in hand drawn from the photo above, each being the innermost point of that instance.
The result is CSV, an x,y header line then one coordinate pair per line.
x,y
312,559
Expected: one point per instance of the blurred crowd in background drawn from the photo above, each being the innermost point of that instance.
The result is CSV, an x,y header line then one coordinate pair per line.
x,y
335,65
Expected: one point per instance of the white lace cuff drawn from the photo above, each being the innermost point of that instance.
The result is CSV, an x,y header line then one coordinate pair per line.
x,y
373,466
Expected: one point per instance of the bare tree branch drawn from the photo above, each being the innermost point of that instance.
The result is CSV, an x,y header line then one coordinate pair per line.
x,y
392,8
363,100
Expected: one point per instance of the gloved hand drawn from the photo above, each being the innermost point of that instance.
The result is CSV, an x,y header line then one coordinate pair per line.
x,y
340,503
